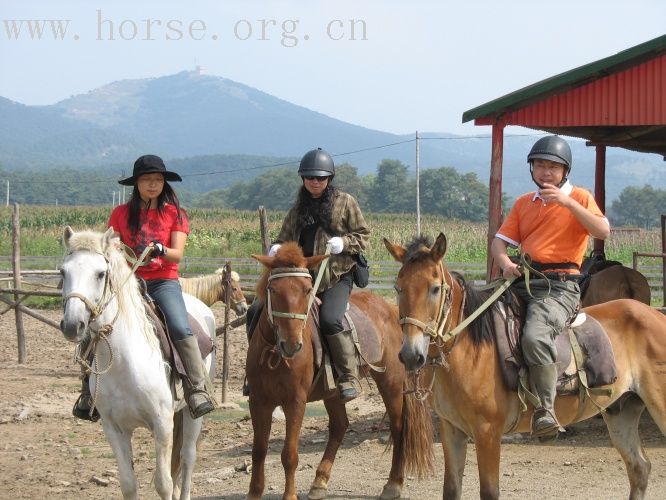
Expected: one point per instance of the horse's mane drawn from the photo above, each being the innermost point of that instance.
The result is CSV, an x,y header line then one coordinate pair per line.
x,y
208,289
418,249
481,329
130,302
288,255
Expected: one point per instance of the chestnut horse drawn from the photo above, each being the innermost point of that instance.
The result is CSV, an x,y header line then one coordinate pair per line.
x,y
281,372
468,392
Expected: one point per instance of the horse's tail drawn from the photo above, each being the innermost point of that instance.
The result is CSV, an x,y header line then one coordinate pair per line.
x,y
177,445
417,437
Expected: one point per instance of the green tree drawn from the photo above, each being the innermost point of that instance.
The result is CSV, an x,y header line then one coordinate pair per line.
x,y
641,207
347,179
448,193
392,190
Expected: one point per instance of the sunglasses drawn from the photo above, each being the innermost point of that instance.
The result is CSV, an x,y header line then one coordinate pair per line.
x,y
315,178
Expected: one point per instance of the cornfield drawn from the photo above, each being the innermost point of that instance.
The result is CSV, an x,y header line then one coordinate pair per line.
x,y
232,233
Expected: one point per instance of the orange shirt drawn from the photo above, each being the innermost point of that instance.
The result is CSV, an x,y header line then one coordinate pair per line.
x,y
549,232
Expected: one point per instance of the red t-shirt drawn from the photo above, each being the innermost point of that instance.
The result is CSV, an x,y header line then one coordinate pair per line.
x,y
154,226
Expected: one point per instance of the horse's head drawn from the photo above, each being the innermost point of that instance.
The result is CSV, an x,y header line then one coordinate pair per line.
x,y
424,288
85,279
237,297
286,289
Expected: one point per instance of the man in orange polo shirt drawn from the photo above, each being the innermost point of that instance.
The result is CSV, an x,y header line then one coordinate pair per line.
x,y
553,226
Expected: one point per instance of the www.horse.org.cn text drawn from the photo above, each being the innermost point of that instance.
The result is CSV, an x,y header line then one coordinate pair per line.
x,y
288,33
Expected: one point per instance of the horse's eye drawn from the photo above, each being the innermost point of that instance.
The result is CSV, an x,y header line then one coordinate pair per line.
x,y
436,289
62,271
397,289
101,274
308,291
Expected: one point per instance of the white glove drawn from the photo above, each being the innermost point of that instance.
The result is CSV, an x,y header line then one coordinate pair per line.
x,y
273,250
337,245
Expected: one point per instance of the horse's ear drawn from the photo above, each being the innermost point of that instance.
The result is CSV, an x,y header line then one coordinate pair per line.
x,y
264,259
438,250
396,251
108,236
66,235
314,261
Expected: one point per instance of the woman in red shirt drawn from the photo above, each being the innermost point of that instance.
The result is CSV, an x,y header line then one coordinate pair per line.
x,y
153,218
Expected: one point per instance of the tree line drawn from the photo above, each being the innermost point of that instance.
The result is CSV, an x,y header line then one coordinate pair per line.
x,y
391,189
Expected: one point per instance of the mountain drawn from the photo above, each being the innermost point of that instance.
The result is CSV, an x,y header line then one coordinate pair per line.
x,y
198,121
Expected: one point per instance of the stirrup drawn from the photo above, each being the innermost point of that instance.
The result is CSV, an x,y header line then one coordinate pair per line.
x,y
202,408
84,413
348,394
549,427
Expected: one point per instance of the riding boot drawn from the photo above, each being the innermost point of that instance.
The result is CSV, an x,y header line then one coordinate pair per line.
x,y
194,383
84,401
343,355
543,380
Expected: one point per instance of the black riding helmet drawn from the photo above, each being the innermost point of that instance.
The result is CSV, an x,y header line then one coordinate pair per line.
x,y
317,163
553,148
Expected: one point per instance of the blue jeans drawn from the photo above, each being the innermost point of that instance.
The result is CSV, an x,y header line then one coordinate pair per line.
x,y
168,295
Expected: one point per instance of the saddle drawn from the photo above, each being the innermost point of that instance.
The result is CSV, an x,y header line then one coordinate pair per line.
x,y
169,351
585,357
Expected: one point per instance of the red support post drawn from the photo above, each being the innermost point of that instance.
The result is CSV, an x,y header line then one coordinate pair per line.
x,y
600,187
495,192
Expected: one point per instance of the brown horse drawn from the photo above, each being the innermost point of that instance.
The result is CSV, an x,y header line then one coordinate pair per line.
x,y
469,394
281,372
211,288
615,282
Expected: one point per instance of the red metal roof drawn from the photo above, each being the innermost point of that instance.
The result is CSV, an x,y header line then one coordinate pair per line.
x,y
634,96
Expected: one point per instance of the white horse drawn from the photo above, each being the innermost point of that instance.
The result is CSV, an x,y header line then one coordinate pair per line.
x,y
130,379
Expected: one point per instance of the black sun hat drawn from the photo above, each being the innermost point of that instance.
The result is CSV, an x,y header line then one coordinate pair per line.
x,y
149,164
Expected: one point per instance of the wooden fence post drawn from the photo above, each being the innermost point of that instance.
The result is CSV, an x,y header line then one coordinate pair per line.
x,y
16,267
225,355
263,225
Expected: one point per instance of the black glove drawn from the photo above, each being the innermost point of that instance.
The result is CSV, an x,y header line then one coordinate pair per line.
x,y
158,249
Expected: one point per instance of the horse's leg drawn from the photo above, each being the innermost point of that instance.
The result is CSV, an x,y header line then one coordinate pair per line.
x,y
191,428
337,426
121,444
163,434
622,422
261,424
488,441
454,444
294,411
393,401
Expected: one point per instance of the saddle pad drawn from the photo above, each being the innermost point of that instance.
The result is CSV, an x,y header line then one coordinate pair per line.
x,y
599,361
370,344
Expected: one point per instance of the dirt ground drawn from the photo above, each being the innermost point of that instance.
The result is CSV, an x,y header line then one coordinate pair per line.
x,y
46,453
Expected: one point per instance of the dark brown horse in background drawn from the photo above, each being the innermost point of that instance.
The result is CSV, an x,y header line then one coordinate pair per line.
x,y
610,280
468,391
281,372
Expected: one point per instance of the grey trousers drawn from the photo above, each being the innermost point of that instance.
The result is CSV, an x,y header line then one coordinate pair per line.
x,y
547,314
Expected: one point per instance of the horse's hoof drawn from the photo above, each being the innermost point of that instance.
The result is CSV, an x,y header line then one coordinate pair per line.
x,y
317,493
390,492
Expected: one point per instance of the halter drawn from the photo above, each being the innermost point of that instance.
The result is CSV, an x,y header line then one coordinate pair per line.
x,y
435,328
288,272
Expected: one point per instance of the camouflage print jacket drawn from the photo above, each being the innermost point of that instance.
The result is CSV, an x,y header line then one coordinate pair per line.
x,y
347,222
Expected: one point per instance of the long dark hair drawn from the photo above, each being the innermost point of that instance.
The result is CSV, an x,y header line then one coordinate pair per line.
x,y
311,209
168,195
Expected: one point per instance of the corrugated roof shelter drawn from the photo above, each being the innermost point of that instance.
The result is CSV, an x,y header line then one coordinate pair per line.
x,y
617,101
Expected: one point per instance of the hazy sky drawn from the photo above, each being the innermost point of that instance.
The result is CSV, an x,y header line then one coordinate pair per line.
x,y
412,65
